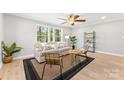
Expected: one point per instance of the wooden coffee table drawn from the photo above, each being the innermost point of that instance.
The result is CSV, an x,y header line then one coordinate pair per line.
x,y
75,51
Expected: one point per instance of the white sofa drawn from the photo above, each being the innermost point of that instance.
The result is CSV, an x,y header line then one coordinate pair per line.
x,y
41,48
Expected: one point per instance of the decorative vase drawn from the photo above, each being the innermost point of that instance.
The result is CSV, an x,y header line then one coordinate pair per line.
x,y
7,59
73,47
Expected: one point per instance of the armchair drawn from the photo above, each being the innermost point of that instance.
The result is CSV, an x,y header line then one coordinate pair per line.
x,y
53,59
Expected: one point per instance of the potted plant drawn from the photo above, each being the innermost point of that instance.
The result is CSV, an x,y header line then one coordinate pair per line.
x,y
8,51
73,40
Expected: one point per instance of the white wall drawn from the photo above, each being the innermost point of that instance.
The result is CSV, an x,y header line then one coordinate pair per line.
x,y
23,32
1,36
109,36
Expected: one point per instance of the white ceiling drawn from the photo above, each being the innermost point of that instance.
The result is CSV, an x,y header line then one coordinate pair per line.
x,y
52,18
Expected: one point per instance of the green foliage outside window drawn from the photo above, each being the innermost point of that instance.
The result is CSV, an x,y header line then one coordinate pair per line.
x,y
51,34
42,34
57,35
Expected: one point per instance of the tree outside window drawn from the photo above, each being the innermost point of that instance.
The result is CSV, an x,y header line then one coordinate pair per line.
x,y
51,34
48,34
42,34
57,35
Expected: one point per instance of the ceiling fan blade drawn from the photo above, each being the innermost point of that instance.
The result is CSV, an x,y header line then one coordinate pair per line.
x,y
76,16
80,20
64,23
62,19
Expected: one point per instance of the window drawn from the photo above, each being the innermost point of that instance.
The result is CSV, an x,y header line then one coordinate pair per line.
x,y
57,35
49,34
42,34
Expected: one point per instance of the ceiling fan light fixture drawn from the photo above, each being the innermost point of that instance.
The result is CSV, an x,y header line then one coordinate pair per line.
x,y
71,22
72,19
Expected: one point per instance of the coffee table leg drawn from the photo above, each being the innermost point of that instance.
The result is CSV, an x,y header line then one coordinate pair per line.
x,y
73,59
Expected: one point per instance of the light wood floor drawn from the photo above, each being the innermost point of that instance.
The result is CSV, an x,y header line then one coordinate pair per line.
x,y
104,67
13,71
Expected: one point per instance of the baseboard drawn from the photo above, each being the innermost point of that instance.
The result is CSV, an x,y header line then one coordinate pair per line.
x,y
23,57
114,54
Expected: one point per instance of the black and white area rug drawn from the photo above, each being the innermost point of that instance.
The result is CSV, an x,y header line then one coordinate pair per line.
x,y
32,73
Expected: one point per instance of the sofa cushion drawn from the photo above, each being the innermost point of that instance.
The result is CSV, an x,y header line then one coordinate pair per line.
x,y
48,47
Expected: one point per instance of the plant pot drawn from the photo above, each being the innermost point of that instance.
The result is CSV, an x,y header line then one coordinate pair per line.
x,y
73,47
7,59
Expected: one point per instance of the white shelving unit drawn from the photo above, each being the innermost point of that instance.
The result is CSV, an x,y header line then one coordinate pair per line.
x,y
89,36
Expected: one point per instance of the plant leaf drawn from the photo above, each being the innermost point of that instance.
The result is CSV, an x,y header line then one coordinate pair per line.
x,y
17,49
9,50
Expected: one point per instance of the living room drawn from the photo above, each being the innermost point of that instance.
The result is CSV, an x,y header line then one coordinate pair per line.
x,y
53,46
24,28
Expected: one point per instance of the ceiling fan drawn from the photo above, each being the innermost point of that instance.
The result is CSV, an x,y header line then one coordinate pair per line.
x,y
72,19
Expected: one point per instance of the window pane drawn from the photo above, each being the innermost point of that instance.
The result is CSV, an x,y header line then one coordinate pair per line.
x,y
38,34
57,35
42,34
51,34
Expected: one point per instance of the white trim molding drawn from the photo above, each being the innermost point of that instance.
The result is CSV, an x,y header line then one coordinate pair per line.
x,y
114,54
23,57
